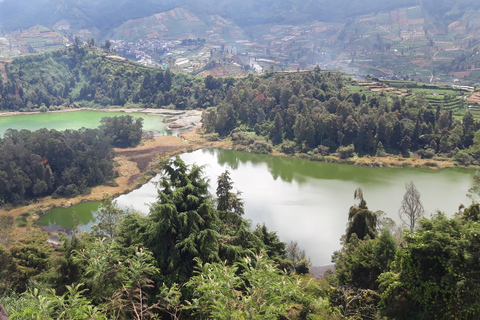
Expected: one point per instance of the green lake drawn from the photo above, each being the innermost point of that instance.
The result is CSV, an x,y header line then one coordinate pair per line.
x,y
309,201
85,216
74,120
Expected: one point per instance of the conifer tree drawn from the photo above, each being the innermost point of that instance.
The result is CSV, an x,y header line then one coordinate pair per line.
x,y
183,222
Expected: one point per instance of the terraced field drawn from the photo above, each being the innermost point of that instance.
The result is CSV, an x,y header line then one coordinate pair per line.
x,y
447,98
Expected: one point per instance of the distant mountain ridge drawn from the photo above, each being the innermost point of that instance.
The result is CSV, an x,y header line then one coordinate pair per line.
x,y
106,15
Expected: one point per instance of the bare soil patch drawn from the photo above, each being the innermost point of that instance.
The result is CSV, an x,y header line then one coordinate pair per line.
x,y
217,72
474,98
461,74
150,150
377,87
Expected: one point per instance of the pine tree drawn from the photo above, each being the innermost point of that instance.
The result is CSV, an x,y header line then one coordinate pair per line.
x,y
183,222
227,200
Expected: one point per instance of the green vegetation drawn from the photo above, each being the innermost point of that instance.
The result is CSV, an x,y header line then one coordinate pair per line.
x,y
430,276
77,74
186,258
61,164
314,110
316,113
190,260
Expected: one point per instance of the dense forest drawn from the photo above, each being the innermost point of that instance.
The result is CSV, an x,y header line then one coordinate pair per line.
x,y
315,112
61,164
77,73
195,257
311,112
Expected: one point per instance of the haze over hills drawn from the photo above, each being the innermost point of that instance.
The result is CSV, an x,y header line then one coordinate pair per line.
x,y
410,39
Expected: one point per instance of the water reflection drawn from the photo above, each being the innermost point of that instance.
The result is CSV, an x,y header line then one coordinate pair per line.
x,y
309,201
83,214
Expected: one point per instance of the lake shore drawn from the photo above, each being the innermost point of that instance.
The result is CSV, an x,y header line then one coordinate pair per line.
x,y
134,166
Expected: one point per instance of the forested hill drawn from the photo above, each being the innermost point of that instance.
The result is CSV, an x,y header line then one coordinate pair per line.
x,y
78,74
312,111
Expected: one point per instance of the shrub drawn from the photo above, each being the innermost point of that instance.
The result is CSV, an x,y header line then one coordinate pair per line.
x,y
463,158
346,152
426,153
212,137
323,150
238,137
261,146
288,147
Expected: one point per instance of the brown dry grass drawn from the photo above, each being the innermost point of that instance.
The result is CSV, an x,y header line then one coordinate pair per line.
x,y
395,161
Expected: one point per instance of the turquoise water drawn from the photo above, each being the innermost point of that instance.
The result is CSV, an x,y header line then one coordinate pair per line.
x,y
74,120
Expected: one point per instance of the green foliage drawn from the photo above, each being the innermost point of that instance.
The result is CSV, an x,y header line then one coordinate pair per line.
x,y
380,150
8,270
124,131
77,74
120,282
227,200
274,248
312,109
182,222
68,271
261,147
463,158
300,262
32,259
346,152
360,263
108,217
49,162
288,147
354,303
251,289
70,306
436,272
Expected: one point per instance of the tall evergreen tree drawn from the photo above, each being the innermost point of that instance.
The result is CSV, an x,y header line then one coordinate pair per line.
x,y
183,222
227,200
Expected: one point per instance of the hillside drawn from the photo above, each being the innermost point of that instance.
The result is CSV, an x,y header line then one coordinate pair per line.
x,y
426,41
315,112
